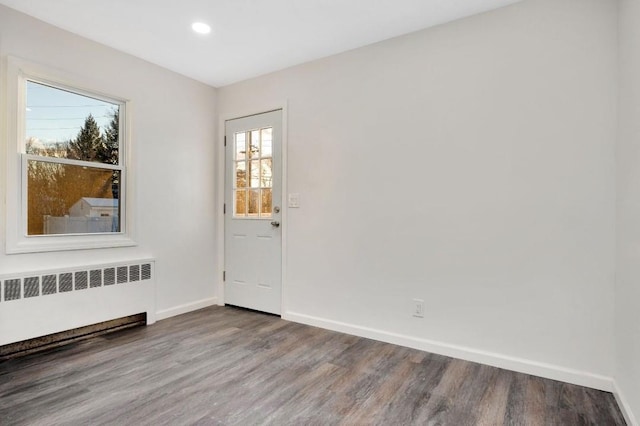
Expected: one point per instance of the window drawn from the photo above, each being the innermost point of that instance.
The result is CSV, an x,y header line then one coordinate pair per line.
x,y
68,189
73,168
253,180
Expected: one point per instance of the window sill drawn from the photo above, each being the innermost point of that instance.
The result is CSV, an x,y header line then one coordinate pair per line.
x,y
69,242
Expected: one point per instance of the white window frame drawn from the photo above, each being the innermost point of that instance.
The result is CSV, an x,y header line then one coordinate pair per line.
x,y
17,73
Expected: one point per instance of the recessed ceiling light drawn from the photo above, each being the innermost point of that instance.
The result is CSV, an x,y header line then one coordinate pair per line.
x,y
201,28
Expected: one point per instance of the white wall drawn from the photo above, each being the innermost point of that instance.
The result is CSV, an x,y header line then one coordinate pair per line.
x,y
173,122
628,203
470,165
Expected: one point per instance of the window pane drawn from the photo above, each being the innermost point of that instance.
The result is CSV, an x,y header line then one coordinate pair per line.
x,y
241,174
266,202
66,199
266,179
241,146
253,202
241,202
63,124
266,142
255,144
254,173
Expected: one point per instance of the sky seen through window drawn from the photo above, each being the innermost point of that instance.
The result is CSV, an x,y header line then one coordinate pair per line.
x,y
54,115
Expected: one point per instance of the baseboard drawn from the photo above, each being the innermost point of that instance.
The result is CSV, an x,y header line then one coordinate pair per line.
x,y
520,365
187,307
624,406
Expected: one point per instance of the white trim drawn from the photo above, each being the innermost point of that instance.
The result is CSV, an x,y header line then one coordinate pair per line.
x,y
220,152
624,406
17,71
220,219
285,206
185,308
549,371
73,242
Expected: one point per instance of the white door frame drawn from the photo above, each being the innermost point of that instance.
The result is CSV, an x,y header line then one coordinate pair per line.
x,y
220,188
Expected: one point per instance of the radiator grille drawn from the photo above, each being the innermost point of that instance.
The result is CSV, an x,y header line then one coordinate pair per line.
x,y
35,285
134,273
122,274
95,278
49,284
80,280
65,282
146,271
12,289
32,287
109,276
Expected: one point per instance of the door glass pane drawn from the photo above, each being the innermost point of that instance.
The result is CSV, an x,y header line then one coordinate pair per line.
x,y
69,199
241,202
266,179
255,144
266,142
241,174
241,148
254,207
266,202
254,173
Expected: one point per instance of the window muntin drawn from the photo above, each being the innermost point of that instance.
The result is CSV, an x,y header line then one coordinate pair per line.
x,y
253,176
72,165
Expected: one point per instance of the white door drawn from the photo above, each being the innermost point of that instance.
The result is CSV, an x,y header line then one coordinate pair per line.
x,y
253,202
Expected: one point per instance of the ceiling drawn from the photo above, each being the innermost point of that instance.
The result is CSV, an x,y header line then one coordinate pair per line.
x,y
249,37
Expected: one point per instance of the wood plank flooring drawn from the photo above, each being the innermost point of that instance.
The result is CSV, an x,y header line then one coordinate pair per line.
x,y
228,366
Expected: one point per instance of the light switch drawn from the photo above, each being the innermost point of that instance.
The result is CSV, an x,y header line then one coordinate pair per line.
x,y
294,200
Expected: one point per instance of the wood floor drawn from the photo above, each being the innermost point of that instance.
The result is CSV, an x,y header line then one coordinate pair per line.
x,y
227,366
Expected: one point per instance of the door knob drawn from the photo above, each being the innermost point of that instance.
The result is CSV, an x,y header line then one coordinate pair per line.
x,y
275,223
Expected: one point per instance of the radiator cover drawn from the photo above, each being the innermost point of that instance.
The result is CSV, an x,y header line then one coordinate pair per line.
x,y
42,302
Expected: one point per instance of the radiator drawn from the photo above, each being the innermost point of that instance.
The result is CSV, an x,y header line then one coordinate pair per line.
x,y
42,302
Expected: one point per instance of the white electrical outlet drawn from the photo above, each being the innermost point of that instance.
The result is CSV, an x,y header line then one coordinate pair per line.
x,y
418,308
